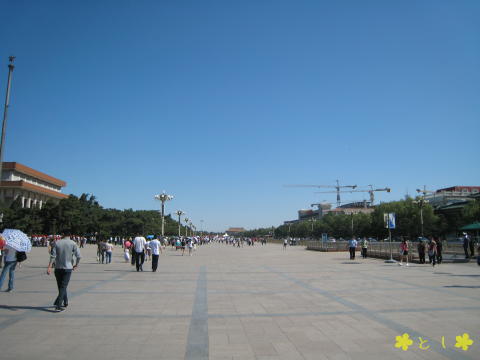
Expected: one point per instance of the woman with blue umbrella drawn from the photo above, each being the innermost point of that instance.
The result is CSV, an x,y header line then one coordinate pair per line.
x,y
16,245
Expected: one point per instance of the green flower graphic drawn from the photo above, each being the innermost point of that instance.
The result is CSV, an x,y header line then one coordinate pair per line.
x,y
463,341
403,342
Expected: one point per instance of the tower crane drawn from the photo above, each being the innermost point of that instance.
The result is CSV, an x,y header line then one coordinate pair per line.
x,y
425,191
336,187
371,191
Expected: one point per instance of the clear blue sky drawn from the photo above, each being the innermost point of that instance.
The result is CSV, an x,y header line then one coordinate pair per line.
x,y
221,103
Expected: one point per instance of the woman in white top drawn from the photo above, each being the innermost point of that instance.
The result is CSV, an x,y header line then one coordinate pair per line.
x,y
108,251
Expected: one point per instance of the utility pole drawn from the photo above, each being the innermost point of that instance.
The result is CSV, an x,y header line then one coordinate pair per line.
x,y
5,111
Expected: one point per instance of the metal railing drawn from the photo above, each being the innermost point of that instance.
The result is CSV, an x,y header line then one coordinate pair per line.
x,y
382,249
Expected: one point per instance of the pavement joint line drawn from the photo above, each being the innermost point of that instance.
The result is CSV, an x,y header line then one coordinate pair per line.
x,y
28,313
197,341
375,316
251,315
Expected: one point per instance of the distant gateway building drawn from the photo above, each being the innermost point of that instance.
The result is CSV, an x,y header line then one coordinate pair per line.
x,y
32,186
235,230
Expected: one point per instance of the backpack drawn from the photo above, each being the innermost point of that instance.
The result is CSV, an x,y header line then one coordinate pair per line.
x,y
21,256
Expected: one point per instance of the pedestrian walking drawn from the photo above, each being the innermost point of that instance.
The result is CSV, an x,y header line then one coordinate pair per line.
x,y
10,255
352,247
108,252
285,243
62,255
364,245
403,252
155,249
190,246
439,250
432,251
471,244
139,244
421,251
147,251
126,255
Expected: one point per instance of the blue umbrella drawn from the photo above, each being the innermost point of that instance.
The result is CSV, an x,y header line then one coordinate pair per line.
x,y
17,240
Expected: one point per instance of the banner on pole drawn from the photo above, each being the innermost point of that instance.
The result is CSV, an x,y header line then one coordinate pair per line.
x,y
389,220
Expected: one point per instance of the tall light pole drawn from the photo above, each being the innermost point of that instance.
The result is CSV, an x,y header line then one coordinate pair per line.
x,y
421,203
163,198
186,225
5,111
201,227
179,213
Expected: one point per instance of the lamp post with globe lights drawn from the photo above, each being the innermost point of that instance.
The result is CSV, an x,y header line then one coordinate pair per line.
x,y
186,225
179,213
163,198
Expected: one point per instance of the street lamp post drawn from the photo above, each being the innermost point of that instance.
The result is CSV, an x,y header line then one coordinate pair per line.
x,y
163,198
421,204
179,213
201,227
5,111
186,225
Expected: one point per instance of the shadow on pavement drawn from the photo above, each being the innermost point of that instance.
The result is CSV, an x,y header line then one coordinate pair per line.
x,y
39,308
462,286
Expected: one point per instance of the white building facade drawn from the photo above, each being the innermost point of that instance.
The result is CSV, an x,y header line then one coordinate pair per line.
x,y
33,187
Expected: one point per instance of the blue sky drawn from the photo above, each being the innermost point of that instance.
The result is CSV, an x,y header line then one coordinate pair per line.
x,y
221,103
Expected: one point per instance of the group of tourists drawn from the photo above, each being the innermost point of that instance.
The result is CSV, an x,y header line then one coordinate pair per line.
x,y
433,248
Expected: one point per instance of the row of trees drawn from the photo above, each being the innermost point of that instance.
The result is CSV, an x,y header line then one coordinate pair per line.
x,y
84,216
408,222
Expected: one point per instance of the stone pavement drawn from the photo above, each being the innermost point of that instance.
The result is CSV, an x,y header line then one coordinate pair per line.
x,y
242,303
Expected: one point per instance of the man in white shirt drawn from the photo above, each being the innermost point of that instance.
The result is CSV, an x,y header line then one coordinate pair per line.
x,y
139,244
156,249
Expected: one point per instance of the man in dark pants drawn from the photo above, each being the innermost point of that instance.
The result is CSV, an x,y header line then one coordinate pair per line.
x,y
156,249
139,244
421,251
439,250
62,255
352,246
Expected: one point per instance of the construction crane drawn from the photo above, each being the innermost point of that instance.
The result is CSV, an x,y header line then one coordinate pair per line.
x,y
425,191
371,191
336,187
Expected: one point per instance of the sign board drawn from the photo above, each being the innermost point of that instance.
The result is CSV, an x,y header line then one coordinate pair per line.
x,y
324,237
389,220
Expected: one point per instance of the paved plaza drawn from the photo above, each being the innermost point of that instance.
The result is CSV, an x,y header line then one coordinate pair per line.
x,y
242,303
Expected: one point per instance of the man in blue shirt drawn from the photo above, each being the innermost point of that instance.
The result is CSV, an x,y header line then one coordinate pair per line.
x,y
352,245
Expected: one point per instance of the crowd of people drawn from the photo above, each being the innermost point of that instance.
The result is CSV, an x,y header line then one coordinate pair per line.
x,y
433,247
64,253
